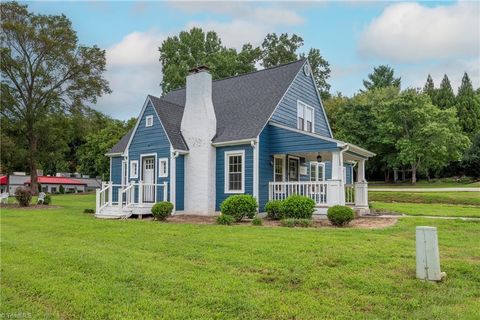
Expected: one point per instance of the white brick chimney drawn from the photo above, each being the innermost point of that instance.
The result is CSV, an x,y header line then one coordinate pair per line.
x,y
198,127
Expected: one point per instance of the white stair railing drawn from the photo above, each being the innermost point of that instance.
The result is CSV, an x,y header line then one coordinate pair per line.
x,y
103,198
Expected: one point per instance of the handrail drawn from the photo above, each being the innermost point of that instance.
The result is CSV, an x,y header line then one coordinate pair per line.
x,y
316,190
129,196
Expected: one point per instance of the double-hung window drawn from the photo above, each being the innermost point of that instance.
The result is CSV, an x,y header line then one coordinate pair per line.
x,y
148,121
134,169
305,117
163,167
234,171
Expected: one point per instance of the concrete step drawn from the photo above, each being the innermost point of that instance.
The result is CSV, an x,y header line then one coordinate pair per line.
x,y
112,212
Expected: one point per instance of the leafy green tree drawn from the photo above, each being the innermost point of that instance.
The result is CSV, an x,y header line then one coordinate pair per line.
x,y
320,70
382,77
429,87
425,136
44,70
192,48
471,159
444,96
280,49
468,107
91,155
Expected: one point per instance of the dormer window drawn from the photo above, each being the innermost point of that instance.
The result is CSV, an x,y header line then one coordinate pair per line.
x,y
305,117
149,121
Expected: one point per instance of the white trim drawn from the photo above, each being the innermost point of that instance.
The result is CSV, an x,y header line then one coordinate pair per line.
x,y
160,173
232,143
256,169
339,143
131,171
173,178
124,178
226,172
114,154
288,166
306,106
317,164
149,121
283,158
140,175
320,99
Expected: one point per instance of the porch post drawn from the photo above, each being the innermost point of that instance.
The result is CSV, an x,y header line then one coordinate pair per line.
x,y
97,201
110,193
335,186
361,190
140,192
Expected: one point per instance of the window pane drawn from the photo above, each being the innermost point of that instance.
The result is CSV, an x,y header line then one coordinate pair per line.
x,y
235,172
313,172
309,126
300,123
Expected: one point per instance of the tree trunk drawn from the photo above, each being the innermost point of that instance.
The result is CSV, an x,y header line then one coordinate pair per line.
x,y
386,173
32,161
414,174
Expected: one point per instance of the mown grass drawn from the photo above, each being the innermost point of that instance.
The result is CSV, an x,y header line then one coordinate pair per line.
x,y
469,198
61,263
424,184
422,209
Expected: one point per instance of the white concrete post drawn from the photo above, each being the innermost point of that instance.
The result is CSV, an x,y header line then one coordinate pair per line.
x,y
335,186
165,191
120,198
336,173
361,171
428,257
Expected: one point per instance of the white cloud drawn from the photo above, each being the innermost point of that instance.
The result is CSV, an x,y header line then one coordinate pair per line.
x,y
412,32
133,71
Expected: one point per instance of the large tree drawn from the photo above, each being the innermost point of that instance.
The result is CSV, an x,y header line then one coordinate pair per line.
x,y
44,70
425,136
444,97
382,77
320,71
280,49
468,107
192,48
429,87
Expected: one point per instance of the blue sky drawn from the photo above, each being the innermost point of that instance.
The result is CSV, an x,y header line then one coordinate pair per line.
x,y
416,38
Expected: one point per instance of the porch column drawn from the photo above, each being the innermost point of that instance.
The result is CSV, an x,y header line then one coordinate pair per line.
x,y
335,186
361,190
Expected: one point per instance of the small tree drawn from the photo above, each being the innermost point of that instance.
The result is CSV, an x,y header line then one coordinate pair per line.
x,y
61,189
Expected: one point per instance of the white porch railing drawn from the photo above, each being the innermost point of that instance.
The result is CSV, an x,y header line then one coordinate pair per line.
x,y
314,190
133,194
349,194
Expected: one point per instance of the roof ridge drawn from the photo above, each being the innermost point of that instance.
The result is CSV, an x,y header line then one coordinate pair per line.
x,y
246,74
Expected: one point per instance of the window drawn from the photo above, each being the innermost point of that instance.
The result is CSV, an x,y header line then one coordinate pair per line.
x,y
149,121
234,171
134,169
279,164
305,117
317,171
53,189
163,167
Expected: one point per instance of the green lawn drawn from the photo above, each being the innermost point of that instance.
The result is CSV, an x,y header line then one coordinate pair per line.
x,y
469,198
423,209
424,184
61,263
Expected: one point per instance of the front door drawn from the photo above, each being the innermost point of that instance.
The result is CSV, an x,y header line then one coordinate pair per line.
x,y
293,169
148,175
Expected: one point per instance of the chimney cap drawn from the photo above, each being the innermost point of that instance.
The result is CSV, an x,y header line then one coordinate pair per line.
x,y
198,69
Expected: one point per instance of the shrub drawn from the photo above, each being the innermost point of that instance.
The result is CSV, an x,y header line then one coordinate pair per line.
x,y
299,207
47,200
294,222
340,215
88,211
239,206
225,219
257,221
162,210
23,196
273,208
61,189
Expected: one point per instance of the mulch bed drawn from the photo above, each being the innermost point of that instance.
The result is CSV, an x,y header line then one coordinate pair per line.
x,y
359,223
31,207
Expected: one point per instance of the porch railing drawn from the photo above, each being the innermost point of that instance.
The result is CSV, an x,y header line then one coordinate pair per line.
x,y
349,194
314,190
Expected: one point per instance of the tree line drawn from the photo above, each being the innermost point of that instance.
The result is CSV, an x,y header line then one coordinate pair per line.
x,y
49,79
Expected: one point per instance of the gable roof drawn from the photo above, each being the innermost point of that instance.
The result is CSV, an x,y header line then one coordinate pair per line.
x,y
243,105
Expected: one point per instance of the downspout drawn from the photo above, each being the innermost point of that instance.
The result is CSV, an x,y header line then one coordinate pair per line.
x,y
173,182
255,147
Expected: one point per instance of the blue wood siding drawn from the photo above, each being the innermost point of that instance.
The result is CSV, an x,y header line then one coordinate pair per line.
x,y
349,178
116,175
180,183
220,172
265,168
303,89
284,141
150,140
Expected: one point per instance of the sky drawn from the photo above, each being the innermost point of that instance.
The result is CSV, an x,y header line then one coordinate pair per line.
x,y
415,38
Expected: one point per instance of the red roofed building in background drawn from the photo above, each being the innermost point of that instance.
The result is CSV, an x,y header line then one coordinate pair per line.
x,y
3,183
52,184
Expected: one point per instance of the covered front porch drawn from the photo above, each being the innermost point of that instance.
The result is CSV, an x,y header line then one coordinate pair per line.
x,y
329,171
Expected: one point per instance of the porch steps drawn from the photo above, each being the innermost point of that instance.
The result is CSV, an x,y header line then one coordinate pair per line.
x,y
112,212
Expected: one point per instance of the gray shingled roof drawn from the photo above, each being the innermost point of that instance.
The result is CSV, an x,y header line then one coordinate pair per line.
x,y
243,104
122,144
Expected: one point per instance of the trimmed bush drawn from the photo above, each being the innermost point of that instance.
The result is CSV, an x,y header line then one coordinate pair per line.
x,y
88,211
239,206
61,189
47,200
273,208
340,215
299,207
225,219
257,221
293,222
23,196
162,210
